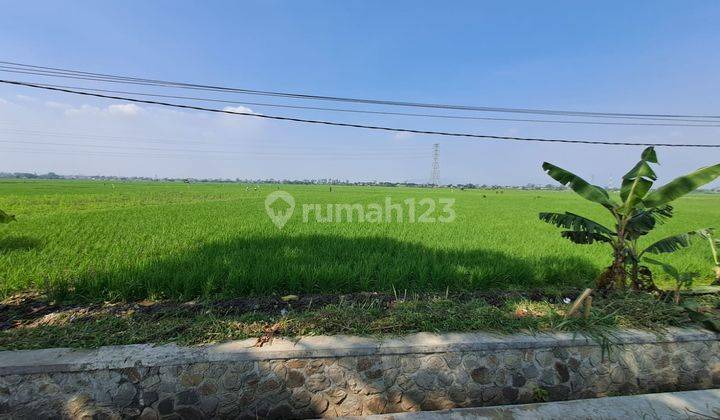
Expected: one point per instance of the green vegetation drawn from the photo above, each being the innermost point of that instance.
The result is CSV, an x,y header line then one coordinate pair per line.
x,y
95,241
38,326
683,279
89,264
6,218
714,245
638,212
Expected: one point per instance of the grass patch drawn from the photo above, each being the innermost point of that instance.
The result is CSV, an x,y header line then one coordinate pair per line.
x,y
27,324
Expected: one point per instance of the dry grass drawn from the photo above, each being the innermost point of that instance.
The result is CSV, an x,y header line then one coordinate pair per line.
x,y
375,315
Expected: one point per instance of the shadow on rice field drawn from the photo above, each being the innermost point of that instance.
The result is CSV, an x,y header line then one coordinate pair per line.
x,y
18,243
319,264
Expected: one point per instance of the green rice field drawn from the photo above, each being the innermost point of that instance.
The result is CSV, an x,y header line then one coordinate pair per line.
x,y
103,240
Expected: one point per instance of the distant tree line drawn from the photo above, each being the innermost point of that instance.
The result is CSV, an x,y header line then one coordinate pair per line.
x,y
322,181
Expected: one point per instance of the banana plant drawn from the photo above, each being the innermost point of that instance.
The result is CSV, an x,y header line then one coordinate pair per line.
x,y
695,312
637,212
663,246
683,279
714,245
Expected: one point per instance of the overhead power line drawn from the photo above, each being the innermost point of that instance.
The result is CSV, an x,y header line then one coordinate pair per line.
x,y
21,68
674,123
340,124
169,85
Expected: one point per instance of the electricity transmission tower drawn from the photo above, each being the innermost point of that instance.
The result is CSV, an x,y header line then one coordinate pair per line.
x,y
435,176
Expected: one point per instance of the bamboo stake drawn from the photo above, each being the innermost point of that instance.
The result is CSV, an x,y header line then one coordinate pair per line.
x,y
588,306
578,302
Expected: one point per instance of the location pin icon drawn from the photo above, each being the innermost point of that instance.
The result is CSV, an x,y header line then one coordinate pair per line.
x,y
279,206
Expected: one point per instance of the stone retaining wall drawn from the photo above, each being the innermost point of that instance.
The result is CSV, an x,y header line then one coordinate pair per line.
x,y
335,376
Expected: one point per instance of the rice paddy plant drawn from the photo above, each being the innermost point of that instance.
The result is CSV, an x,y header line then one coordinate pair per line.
x,y
95,240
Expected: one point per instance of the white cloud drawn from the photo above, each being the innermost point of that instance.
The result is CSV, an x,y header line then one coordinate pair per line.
x,y
124,109
57,105
82,110
239,109
111,110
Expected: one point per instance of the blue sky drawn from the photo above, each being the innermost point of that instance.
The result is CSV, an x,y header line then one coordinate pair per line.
x,y
641,56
